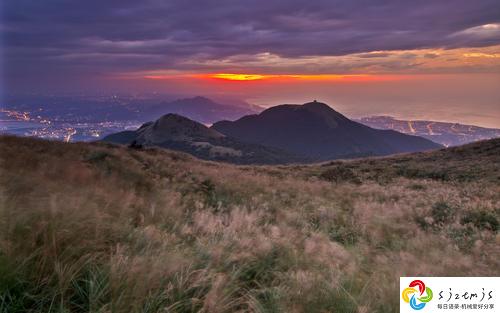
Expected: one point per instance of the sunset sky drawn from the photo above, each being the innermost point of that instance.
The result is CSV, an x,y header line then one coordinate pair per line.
x,y
411,59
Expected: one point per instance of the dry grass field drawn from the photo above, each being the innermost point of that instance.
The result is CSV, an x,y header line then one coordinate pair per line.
x,y
102,228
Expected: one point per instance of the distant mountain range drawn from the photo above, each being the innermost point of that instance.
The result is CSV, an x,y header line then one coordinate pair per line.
x,y
200,109
281,134
176,132
447,134
84,109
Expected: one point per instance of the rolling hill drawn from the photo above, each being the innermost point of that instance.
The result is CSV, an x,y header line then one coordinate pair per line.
x,y
176,132
94,227
316,131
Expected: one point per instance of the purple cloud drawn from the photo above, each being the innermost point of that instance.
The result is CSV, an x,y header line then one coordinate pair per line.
x,y
79,38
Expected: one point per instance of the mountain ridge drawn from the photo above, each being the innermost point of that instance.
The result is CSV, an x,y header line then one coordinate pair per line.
x,y
288,133
200,109
176,132
317,131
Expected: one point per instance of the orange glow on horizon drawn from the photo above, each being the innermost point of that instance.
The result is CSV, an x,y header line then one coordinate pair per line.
x,y
253,77
241,77
228,76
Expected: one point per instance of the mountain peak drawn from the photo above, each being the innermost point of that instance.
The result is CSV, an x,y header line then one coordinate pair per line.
x,y
201,109
316,106
315,102
201,98
176,132
317,131
325,112
171,120
194,101
169,117
175,127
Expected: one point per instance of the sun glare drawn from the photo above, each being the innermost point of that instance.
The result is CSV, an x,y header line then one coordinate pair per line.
x,y
227,76
256,77
283,78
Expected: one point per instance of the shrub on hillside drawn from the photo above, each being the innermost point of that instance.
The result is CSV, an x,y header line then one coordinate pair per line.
x,y
340,174
481,219
442,213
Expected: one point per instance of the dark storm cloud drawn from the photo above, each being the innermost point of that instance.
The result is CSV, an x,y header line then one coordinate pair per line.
x,y
96,36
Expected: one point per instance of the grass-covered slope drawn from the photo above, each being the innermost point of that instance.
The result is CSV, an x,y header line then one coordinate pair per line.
x,y
103,228
318,132
176,132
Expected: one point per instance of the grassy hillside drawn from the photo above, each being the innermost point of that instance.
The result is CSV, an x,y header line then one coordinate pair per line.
x,y
176,132
102,228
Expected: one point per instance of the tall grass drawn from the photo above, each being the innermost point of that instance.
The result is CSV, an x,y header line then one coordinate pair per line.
x,y
99,228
